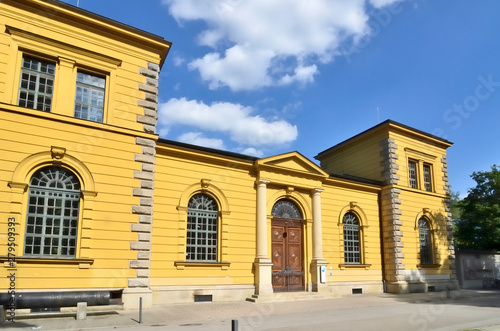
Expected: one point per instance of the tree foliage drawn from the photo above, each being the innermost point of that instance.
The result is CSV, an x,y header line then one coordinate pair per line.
x,y
479,223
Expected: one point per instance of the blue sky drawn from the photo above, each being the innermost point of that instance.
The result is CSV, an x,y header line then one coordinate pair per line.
x,y
267,77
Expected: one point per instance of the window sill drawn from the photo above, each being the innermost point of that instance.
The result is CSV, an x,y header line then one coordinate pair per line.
x,y
181,265
428,266
12,263
354,266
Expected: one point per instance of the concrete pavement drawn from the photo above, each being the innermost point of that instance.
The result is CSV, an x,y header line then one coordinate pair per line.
x,y
461,310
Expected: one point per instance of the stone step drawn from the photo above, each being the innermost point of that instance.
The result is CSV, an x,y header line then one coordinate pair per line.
x,y
291,296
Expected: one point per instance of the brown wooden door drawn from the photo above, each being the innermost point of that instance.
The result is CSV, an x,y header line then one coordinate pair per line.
x,y
288,270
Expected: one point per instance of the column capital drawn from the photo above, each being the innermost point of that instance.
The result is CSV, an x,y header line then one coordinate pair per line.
x,y
317,190
262,182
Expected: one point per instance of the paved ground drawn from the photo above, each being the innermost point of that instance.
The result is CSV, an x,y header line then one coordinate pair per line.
x,y
463,310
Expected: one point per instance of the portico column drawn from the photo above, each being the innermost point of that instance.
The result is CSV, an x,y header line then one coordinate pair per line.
x,y
263,264
262,218
317,236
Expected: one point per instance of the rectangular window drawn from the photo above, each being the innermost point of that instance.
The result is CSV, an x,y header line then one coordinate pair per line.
x,y
36,84
412,172
427,177
89,97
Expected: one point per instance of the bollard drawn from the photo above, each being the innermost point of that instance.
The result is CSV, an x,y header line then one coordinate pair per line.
x,y
234,325
140,310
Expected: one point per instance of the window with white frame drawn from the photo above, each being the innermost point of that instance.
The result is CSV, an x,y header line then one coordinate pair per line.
x,y
427,177
53,212
412,174
202,229
36,84
424,235
89,97
352,243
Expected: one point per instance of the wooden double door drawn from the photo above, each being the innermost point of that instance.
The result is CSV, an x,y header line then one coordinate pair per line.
x,y
287,256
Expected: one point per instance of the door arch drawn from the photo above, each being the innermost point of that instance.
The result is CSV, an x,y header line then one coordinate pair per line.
x,y
287,247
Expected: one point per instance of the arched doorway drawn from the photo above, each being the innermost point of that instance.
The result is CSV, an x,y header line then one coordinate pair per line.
x,y
286,247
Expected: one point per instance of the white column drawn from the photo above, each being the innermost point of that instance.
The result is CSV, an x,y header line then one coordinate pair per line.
x,y
316,226
317,236
263,264
261,218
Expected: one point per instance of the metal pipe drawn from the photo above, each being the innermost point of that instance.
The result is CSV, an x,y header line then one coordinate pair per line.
x,y
140,310
56,299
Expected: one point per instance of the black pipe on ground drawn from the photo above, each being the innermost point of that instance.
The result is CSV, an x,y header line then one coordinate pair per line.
x,y
35,300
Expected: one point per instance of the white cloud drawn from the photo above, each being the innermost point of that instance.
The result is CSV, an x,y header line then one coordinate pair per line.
x,y
197,138
255,41
233,119
252,151
382,3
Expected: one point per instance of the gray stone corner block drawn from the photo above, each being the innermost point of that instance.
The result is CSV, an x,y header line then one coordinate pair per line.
x,y
140,192
149,73
153,66
151,97
146,202
146,120
143,273
152,81
140,246
148,150
147,184
149,128
145,219
144,237
147,104
145,158
144,175
148,87
151,113
138,282
142,210
148,167
143,255
139,227
145,142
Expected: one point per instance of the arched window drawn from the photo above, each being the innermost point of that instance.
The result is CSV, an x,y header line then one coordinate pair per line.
x,y
202,229
52,216
352,244
424,235
286,209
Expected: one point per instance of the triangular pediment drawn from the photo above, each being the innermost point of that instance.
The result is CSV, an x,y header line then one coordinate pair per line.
x,y
293,161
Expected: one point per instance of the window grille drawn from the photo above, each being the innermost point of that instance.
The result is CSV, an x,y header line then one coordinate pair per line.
x,y
89,97
286,209
412,169
202,229
52,216
427,178
425,241
36,84
352,244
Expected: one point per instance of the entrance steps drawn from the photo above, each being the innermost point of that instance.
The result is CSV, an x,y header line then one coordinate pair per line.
x,y
291,296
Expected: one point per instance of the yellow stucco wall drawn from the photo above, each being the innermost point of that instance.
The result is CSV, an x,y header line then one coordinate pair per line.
x,y
103,152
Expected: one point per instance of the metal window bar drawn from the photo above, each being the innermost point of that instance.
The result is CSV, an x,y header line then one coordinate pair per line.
x,y
412,171
89,97
52,216
352,244
202,229
427,178
286,209
36,84
425,242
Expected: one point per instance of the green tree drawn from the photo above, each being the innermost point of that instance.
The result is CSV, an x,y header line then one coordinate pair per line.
x,y
479,223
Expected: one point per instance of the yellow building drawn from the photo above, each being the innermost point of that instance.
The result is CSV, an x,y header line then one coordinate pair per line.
x,y
92,200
